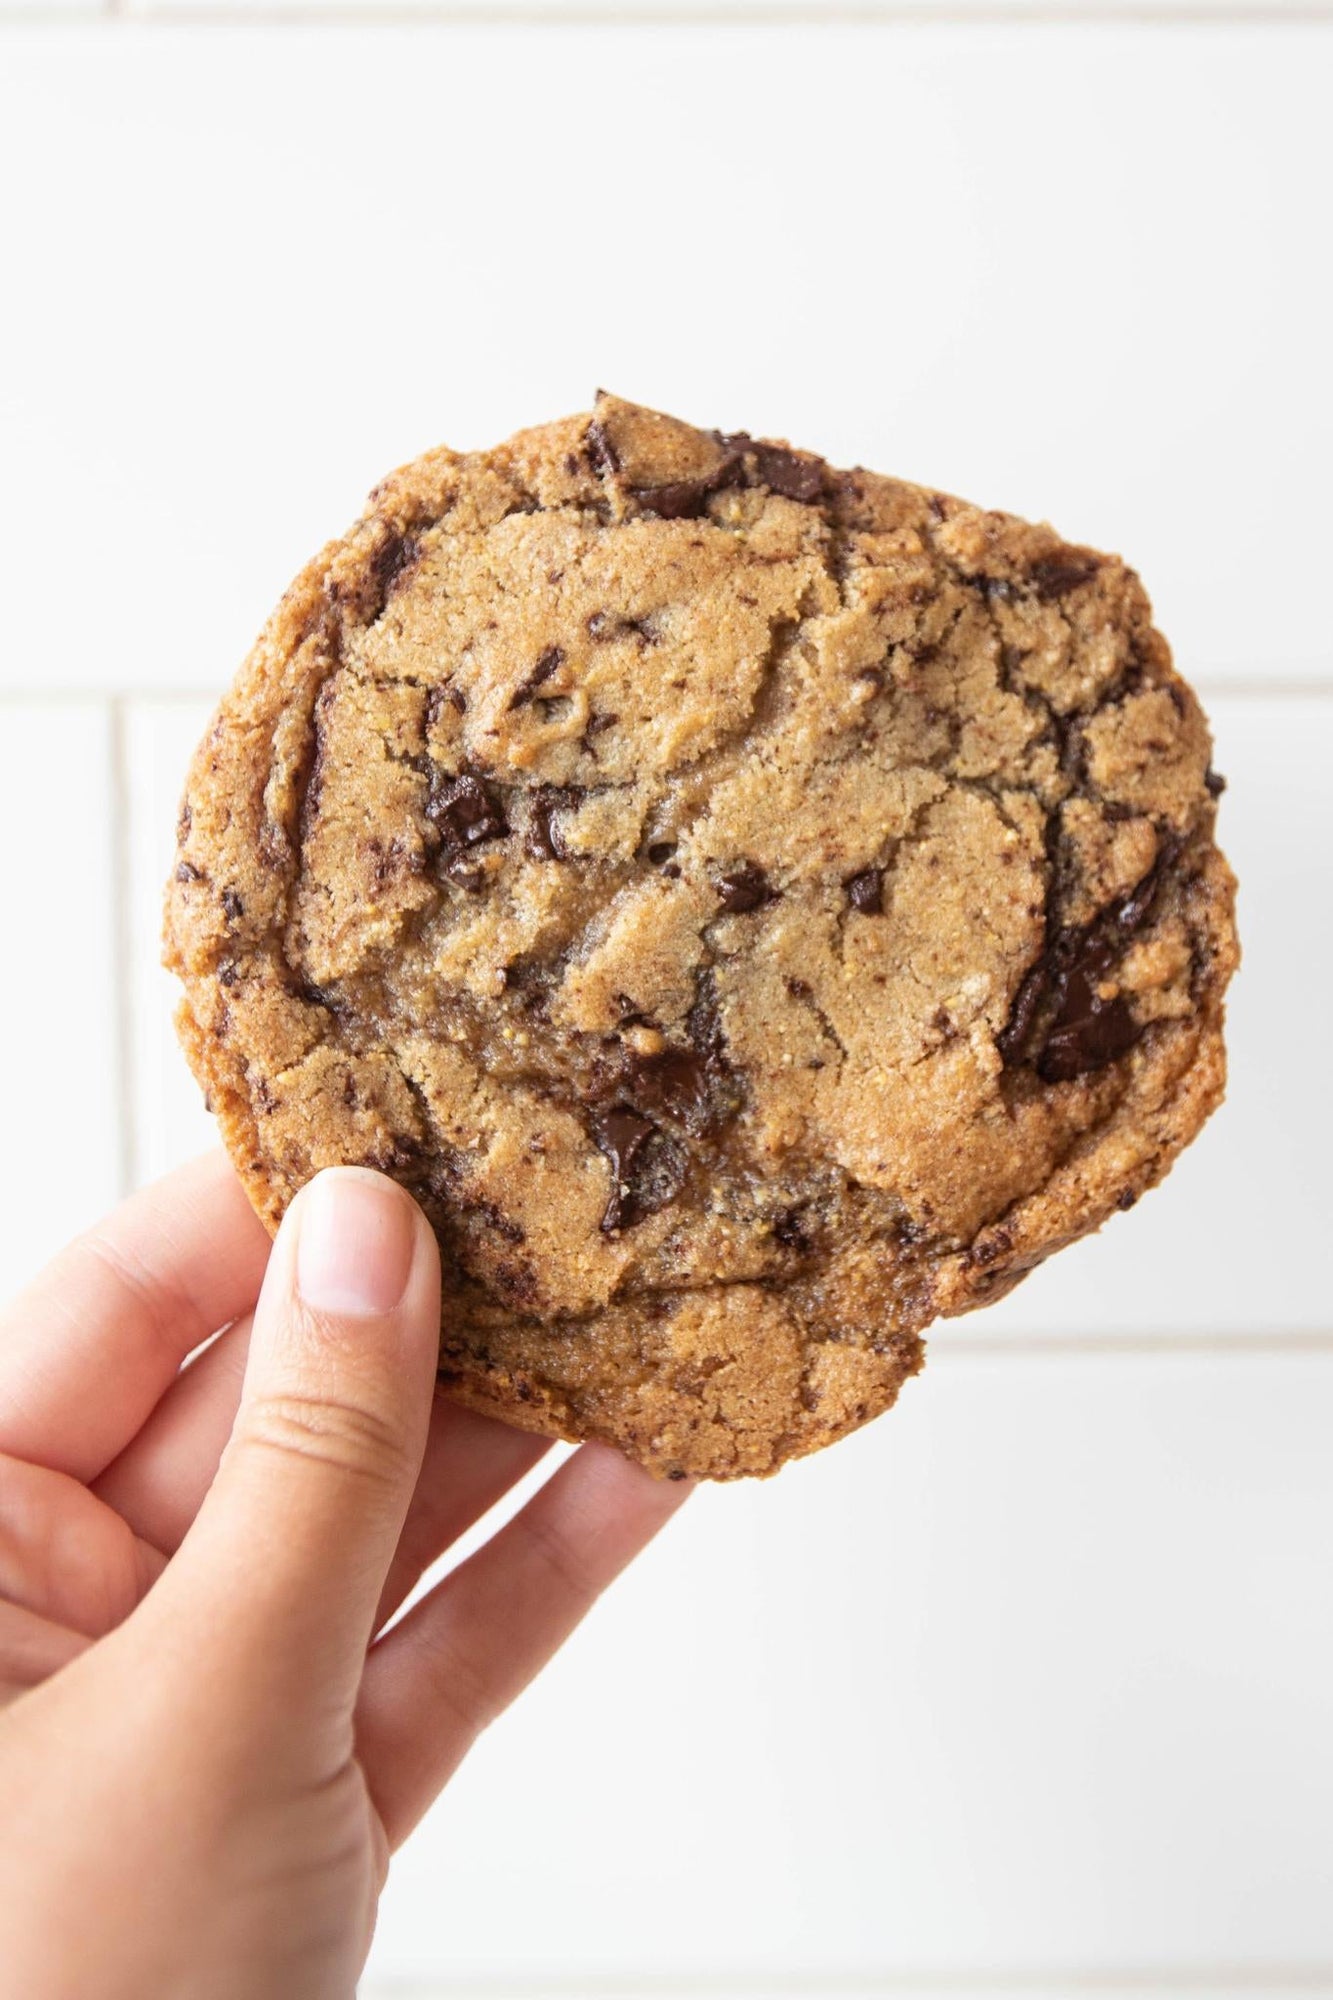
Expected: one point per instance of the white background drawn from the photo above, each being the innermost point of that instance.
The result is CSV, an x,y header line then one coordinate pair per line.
x,y
1027,1689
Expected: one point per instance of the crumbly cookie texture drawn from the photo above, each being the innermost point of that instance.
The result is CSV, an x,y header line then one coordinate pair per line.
x,y
755,908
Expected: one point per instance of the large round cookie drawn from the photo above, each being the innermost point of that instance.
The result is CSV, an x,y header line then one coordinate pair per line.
x,y
754,908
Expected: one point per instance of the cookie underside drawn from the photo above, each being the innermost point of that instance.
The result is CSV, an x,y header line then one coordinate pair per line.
x,y
755,908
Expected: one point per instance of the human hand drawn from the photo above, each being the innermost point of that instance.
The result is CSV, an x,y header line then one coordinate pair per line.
x,y
207,1754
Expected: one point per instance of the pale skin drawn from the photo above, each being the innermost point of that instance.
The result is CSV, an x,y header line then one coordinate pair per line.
x,y
209,1744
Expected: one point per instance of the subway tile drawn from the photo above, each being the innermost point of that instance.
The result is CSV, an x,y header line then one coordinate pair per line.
x,y
58,1002
1232,1987
1028,1682
1064,271
813,13
1233,1242
171,1123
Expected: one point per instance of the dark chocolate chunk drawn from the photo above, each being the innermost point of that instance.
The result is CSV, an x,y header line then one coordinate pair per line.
x,y
1083,1030
367,595
703,1023
1214,783
465,874
673,1083
865,892
187,872
1088,1032
544,841
791,1228
1056,575
622,1135
785,472
549,663
314,996
744,888
232,906
594,727
601,452
466,810
1033,988
395,556
682,499
660,851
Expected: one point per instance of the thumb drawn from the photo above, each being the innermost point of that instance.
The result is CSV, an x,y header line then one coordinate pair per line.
x,y
287,1557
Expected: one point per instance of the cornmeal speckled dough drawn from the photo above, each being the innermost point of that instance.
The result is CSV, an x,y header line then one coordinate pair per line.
x,y
755,909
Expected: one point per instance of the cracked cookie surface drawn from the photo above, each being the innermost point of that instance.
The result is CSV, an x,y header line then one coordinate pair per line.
x,y
755,908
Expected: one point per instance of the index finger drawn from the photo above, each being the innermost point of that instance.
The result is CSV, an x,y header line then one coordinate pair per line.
x,y
89,1347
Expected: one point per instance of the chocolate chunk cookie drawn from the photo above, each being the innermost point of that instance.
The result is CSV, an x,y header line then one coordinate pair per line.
x,y
755,908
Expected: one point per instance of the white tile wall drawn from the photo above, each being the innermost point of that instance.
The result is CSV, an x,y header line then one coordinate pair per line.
x,y
1018,1683
1071,271
749,10
171,1124
1027,1688
61,1014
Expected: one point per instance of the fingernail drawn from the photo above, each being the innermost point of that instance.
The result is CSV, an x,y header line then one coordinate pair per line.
x,y
354,1252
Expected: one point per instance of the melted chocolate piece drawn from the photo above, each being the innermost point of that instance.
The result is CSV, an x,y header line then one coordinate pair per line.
x,y
187,872
647,1171
744,888
660,851
865,892
1084,1031
465,810
674,1084
549,663
1012,1040
544,841
1214,783
1088,1032
1055,576
232,906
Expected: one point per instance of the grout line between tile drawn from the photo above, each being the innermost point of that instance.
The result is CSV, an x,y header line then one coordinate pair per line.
x,y
1248,1346
512,13
122,946
1221,1983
